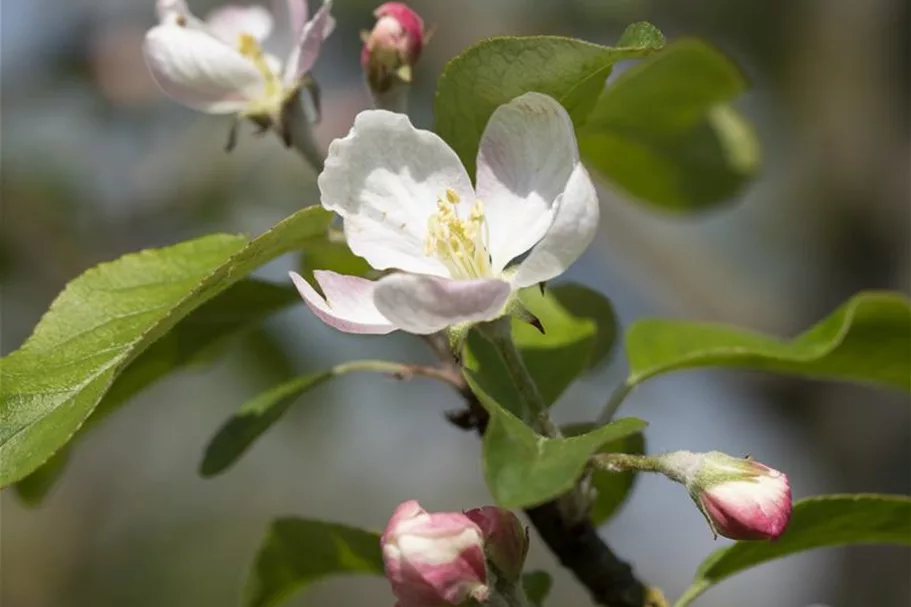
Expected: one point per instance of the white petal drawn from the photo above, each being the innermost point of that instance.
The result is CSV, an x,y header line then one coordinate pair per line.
x,y
229,22
169,9
384,178
199,70
525,157
308,44
427,304
574,227
348,305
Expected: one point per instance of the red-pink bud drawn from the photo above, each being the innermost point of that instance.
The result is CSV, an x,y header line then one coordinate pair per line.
x,y
434,560
505,539
393,47
741,498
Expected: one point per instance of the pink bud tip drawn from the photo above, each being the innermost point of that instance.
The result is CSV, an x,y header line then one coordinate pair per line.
x,y
434,560
755,506
393,47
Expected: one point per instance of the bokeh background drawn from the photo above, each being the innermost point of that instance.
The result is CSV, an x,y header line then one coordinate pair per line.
x,y
95,163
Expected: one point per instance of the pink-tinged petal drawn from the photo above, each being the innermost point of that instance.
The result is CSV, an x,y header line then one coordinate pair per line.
x,y
308,44
298,13
384,179
424,304
527,153
230,22
200,71
348,305
573,229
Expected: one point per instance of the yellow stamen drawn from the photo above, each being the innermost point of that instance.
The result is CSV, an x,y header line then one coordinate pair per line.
x,y
461,244
249,48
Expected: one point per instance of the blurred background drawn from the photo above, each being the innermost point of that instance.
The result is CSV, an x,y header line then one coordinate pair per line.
x,y
96,162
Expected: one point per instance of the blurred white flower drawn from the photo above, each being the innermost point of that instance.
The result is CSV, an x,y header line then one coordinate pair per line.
x,y
218,65
408,204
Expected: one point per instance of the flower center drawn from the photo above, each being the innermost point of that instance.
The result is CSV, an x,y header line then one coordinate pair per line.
x,y
461,244
249,48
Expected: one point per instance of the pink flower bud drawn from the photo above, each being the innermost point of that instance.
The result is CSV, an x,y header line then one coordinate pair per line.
x,y
505,539
742,499
434,560
393,47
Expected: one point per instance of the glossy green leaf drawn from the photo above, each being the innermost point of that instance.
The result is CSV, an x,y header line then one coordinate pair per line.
x,y
555,358
298,552
663,131
107,317
525,469
867,340
537,585
830,520
613,488
252,420
584,302
497,70
193,339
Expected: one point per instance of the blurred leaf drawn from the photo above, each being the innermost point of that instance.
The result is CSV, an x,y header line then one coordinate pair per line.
x,y
613,487
334,256
664,133
497,70
525,469
298,552
537,585
554,358
252,420
867,339
107,317
241,306
583,302
817,522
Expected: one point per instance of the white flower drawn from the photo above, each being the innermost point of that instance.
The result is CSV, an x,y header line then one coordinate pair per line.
x,y
408,204
218,65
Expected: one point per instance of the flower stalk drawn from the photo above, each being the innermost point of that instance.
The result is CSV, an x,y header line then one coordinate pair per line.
x,y
499,334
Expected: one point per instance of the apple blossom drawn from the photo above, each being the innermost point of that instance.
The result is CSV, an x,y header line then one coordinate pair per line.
x,y
407,204
434,560
218,65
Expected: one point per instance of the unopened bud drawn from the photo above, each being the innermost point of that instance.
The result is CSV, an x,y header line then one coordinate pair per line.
x,y
505,540
740,498
434,560
392,48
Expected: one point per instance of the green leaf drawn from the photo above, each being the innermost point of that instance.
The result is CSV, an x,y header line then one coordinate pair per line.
x,y
252,420
107,317
498,70
583,302
663,131
555,359
240,307
537,585
613,487
334,256
867,340
299,552
525,469
817,522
